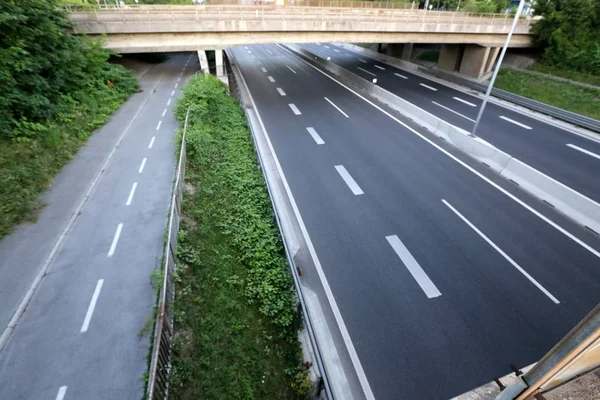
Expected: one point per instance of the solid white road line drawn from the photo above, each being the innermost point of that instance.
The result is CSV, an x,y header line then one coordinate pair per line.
x,y
172,93
158,125
131,193
91,307
364,70
360,372
269,52
349,180
400,76
164,112
502,253
263,69
589,153
463,164
512,121
413,267
379,67
142,165
151,142
270,78
169,102
464,102
361,60
428,87
113,245
295,109
315,135
451,110
62,391
281,92
290,68
339,109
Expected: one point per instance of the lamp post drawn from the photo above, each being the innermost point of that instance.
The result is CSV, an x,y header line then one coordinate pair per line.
x,y
498,64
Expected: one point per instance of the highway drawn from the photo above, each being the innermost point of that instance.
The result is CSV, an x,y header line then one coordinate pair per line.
x,y
443,273
80,336
568,158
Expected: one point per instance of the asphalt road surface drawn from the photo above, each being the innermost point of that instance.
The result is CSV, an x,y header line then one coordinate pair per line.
x,y
79,337
443,273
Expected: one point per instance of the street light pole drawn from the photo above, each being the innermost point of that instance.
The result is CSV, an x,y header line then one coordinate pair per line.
x,y
498,64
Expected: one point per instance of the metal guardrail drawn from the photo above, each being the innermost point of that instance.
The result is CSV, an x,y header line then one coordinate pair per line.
x,y
160,363
558,113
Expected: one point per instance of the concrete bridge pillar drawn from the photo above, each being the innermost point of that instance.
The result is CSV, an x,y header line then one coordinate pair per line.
x,y
471,60
400,50
203,62
219,63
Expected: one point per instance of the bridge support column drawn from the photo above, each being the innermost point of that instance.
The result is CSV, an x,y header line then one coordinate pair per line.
x,y
400,50
219,62
203,62
471,60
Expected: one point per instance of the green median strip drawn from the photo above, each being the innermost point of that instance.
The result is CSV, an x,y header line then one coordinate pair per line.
x,y
235,308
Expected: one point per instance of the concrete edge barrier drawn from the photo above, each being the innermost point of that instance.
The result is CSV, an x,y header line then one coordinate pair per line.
x,y
567,201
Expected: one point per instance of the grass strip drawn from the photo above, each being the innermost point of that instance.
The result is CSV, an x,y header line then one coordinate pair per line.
x,y
562,73
575,98
235,319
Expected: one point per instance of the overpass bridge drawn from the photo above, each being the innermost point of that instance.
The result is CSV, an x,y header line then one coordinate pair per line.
x,y
471,40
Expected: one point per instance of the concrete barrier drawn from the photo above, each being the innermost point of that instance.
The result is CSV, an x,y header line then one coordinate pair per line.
x,y
567,201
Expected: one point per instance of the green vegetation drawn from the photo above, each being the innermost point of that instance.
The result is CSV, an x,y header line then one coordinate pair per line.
x,y
235,315
562,73
483,6
429,55
585,101
57,88
569,35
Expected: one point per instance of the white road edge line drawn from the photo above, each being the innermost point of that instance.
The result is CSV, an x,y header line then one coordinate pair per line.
x,y
131,193
362,377
400,76
364,70
589,153
290,68
502,253
315,135
349,180
339,109
512,121
281,92
465,102
164,112
158,125
151,142
169,102
271,79
115,241
294,109
91,307
263,69
62,391
431,291
379,67
462,163
452,111
428,87
142,165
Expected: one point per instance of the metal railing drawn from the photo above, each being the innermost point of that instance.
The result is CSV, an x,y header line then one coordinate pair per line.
x,y
160,364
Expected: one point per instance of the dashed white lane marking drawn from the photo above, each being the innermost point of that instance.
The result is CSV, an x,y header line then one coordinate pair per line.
x,y
271,79
176,85
91,307
318,44
364,70
159,124
361,60
315,135
249,52
169,102
336,50
281,92
269,52
327,47
151,142
339,109
178,79
512,121
164,112
413,267
263,69
349,180
379,67
589,153
294,109
131,193
113,245
452,111
246,47
502,253
142,165
290,68
400,76
62,391
428,87
172,93
464,102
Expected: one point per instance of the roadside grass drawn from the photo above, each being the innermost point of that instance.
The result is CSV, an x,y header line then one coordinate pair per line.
x,y
578,99
429,55
235,319
573,75
27,166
